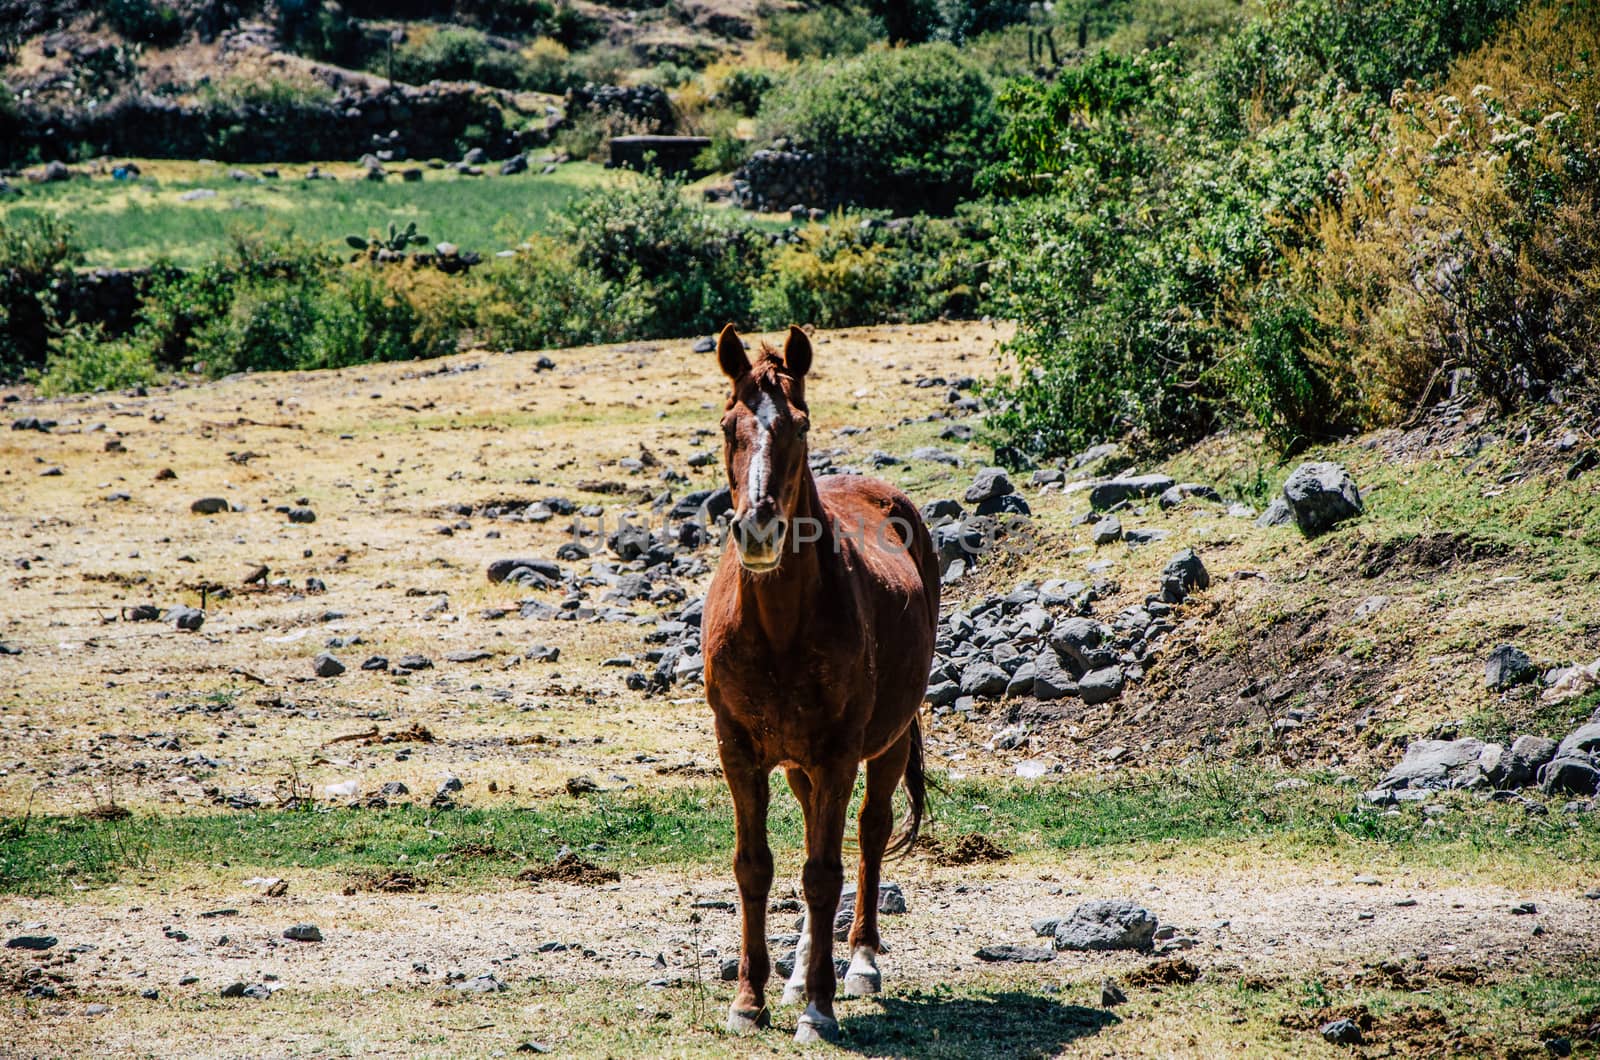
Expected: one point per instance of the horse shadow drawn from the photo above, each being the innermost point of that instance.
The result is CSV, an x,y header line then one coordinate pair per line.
x,y
993,1024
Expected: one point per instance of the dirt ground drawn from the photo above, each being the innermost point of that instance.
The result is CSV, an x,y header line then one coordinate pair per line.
x,y
399,463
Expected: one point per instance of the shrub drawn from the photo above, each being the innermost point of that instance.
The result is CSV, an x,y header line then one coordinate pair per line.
x,y
322,30
913,125
546,66
691,265
386,313
541,297
961,19
35,251
744,87
853,271
145,21
82,359
822,33
1180,266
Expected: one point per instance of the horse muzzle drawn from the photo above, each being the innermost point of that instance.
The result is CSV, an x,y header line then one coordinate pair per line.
x,y
760,542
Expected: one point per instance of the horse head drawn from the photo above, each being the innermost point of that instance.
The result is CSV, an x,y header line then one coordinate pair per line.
x,y
764,443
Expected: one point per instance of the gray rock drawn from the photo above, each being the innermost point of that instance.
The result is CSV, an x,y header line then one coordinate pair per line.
x,y
327,666
944,508
1106,925
1584,739
1107,531
257,991
1277,513
984,680
1506,666
394,789
1571,773
501,569
990,482
942,693
1145,535
728,972
303,933
1050,678
1021,683
935,455
1176,495
1341,1032
302,515
1321,495
1009,954
1435,765
1519,767
1084,641
209,506
415,662
1101,686
1108,492
1048,476
1182,575
35,943
186,618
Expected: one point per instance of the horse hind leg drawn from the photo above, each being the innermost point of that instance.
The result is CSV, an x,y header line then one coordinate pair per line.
x,y
876,823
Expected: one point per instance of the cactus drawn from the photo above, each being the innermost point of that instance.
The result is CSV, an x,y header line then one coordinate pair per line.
x,y
397,240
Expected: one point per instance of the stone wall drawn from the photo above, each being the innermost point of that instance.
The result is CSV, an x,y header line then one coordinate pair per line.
x,y
435,121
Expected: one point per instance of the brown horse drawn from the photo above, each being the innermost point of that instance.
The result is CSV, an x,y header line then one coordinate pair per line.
x,y
819,628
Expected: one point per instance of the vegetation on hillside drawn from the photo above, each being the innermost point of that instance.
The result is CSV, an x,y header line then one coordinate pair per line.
x,y
1298,216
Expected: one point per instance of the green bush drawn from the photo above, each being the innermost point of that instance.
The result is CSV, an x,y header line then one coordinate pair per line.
x,y
691,265
145,21
853,271
541,297
82,359
916,124
36,250
1169,192
744,88
822,33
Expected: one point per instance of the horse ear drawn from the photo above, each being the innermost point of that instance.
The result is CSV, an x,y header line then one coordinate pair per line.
x,y
797,352
730,354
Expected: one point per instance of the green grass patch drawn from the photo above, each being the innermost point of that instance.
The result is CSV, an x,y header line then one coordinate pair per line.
x,y
694,826
137,223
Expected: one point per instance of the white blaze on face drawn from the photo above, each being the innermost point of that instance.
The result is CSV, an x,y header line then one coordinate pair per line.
x,y
761,455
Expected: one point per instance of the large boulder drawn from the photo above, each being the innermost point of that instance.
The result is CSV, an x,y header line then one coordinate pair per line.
x,y
1320,495
1520,765
1103,925
1183,574
1434,765
1084,642
989,483
1102,686
1571,773
1583,740
1506,666
1113,491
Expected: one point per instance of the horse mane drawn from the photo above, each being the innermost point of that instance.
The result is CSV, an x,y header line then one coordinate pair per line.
x,y
765,371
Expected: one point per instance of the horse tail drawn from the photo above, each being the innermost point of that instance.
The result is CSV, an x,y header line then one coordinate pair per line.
x,y
916,782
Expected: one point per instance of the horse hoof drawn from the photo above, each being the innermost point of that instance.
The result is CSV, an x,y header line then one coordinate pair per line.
x,y
743,1021
857,984
815,1027
793,995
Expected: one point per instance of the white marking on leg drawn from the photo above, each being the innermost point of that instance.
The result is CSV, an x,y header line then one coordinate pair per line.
x,y
761,456
863,977
794,991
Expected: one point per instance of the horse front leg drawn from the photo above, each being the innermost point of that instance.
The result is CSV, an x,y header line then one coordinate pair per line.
x,y
823,879
752,868
876,823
